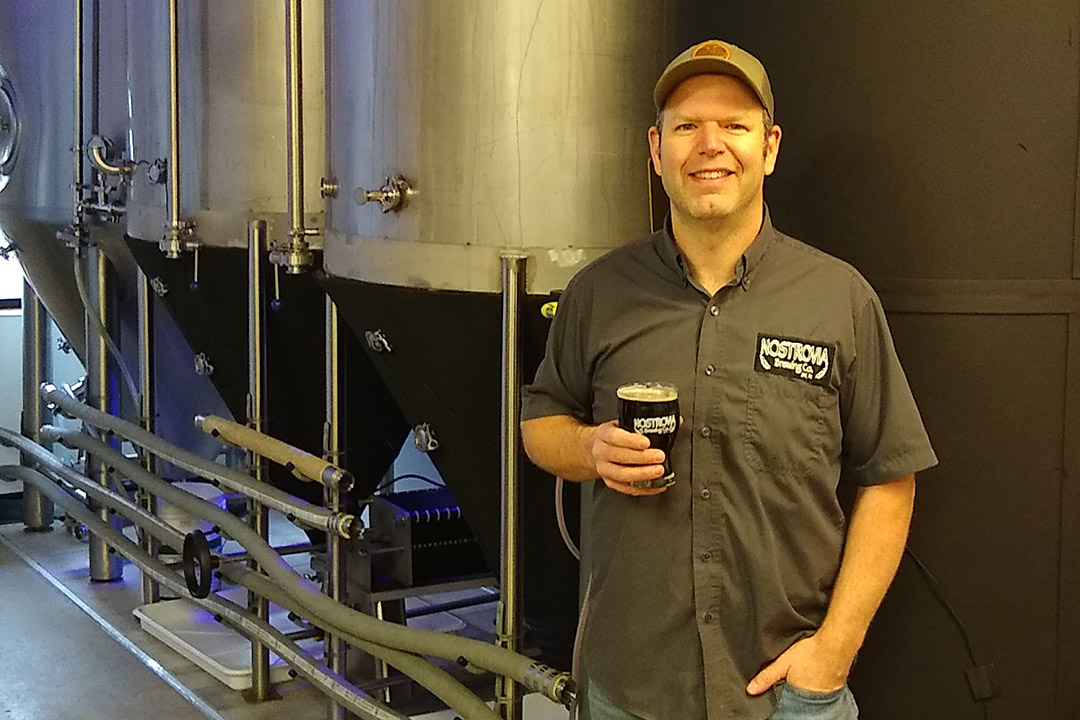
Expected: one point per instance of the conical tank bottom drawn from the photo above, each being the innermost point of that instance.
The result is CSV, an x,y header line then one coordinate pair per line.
x,y
444,367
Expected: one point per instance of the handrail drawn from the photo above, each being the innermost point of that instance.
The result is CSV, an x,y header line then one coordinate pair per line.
x,y
301,464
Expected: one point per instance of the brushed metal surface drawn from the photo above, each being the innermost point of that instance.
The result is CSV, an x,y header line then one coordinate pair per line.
x,y
233,100
519,125
37,55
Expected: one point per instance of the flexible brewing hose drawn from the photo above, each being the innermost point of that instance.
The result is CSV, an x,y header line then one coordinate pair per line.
x,y
53,466
537,677
560,518
441,683
337,687
293,507
95,321
304,465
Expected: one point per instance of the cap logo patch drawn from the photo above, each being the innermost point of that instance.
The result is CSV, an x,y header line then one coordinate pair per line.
x,y
712,49
794,358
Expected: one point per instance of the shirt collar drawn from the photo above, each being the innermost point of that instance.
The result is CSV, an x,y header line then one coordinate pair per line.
x,y
745,268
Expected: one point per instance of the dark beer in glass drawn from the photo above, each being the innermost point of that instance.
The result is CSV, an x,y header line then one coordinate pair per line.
x,y
652,409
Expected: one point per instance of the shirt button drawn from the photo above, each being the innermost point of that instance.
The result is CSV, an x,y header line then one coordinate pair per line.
x,y
710,369
706,431
708,617
706,556
706,494
713,310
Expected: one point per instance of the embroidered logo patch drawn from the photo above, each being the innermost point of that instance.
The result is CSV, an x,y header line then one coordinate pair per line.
x,y
803,359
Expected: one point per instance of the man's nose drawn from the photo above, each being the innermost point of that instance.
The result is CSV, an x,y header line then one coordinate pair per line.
x,y
710,139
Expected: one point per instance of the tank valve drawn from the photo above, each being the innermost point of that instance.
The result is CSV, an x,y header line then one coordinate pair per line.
x,y
393,195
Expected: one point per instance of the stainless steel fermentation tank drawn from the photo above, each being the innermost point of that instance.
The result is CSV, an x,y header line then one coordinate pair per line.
x,y
474,130
37,131
212,130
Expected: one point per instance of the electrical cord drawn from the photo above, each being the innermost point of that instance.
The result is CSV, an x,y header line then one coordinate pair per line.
x,y
92,315
939,593
407,476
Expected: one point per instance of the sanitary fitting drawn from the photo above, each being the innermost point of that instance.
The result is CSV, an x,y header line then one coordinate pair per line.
x,y
203,365
424,438
347,526
553,684
394,194
158,286
329,187
295,257
377,341
175,240
98,149
158,172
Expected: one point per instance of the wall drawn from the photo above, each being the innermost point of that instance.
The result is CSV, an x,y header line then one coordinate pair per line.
x,y
934,146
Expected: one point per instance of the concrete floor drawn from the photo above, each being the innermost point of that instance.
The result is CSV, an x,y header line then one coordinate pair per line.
x,y
60,660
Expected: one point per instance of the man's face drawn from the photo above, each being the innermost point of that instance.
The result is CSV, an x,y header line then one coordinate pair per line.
x,y
714,151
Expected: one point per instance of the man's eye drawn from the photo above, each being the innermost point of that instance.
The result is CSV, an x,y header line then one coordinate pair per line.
x,y
737,127
684,126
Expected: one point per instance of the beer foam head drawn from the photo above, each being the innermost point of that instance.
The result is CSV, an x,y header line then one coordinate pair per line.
x,y
648,392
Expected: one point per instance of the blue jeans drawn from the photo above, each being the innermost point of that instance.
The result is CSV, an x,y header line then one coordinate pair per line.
x,y
795,704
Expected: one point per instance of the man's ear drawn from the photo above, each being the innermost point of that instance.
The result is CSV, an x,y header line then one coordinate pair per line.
x,y
772,148
654,148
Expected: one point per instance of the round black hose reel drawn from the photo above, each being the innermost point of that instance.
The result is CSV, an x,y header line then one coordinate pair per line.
x,y
199,564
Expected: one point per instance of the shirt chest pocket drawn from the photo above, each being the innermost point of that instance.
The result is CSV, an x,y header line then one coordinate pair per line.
x,y
792,427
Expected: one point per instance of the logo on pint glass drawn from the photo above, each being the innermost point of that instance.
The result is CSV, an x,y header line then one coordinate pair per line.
x,y
662,425
795,358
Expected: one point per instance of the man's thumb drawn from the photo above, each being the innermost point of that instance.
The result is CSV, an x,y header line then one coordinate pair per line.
x,y
765,679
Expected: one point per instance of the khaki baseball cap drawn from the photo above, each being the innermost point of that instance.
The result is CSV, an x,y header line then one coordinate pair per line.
x,y
721,58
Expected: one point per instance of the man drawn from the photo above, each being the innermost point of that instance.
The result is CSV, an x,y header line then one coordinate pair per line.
x,y
741,591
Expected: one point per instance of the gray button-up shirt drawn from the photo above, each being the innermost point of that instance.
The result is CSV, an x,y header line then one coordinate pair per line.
x,y
785,375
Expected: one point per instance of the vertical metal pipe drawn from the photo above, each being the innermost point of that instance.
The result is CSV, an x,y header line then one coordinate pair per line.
x,y
257,512
295,123
101,395
508,694
95,67
37,508
77,149
172,243
335,546
151,590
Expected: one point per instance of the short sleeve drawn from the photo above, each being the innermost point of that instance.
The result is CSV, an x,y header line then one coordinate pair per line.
x,y
562,386
883,433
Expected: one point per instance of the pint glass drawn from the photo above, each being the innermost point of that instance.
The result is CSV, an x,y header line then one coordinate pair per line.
x,y
652,409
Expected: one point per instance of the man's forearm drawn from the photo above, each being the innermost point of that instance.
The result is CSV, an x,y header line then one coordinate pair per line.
x,y
877,534
560,444
875,541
